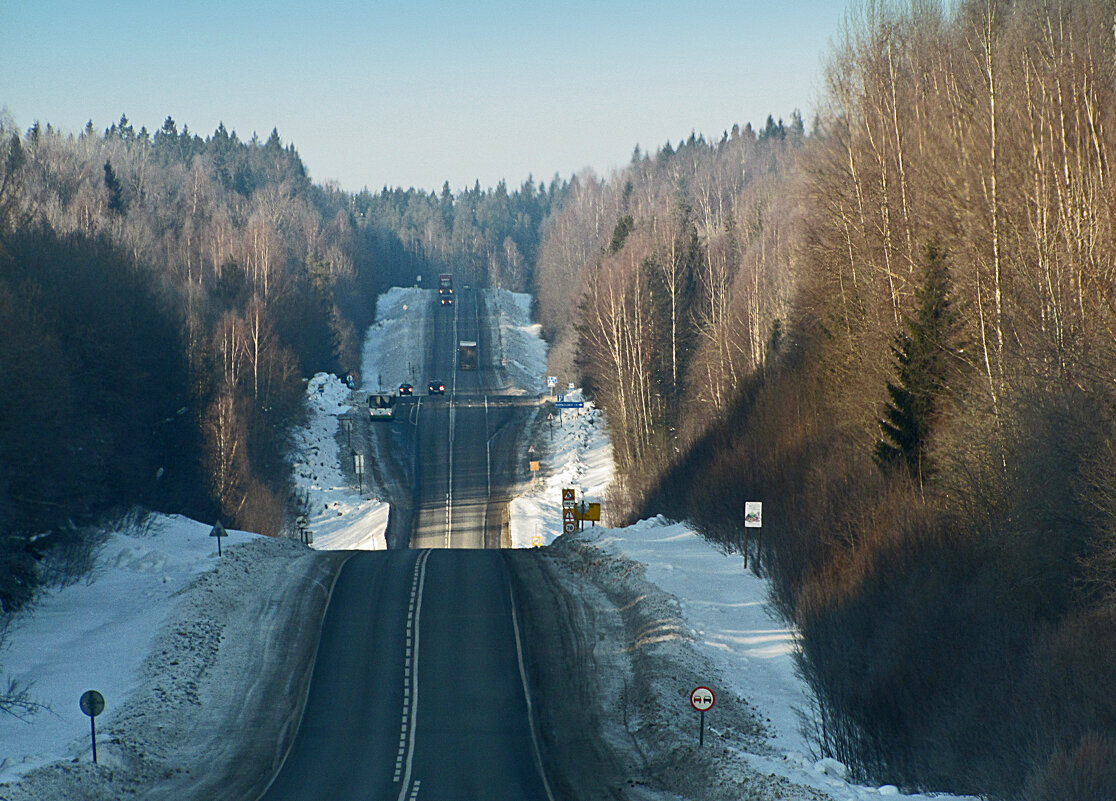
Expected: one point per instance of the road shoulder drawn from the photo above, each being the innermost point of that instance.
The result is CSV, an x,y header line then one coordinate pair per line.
x,y
612,665
222,691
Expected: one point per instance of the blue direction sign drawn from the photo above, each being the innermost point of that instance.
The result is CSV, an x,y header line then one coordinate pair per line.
x,y
569,404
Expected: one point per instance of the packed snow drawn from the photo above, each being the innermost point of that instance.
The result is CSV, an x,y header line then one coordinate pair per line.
x,y
338,518
98,633
519,343
95,634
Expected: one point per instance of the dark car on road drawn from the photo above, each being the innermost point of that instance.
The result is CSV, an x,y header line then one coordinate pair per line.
x,y
406,389
437,388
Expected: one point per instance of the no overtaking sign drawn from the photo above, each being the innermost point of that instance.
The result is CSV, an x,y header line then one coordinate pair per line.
x,y
701,699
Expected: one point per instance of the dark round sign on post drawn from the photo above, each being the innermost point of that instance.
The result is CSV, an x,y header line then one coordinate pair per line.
x,y
92,703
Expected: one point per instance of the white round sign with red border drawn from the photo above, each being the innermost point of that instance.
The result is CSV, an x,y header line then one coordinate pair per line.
x,y
701,699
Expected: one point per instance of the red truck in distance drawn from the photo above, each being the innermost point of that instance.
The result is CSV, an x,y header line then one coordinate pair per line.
x,y
445,289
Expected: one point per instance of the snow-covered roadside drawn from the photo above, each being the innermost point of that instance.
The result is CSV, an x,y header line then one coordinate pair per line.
x,y
96,633
392,351
239,632
520,348
573,451
339,517
724,610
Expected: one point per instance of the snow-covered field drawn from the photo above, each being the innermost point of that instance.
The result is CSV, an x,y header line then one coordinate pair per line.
x,y
95,634
140,623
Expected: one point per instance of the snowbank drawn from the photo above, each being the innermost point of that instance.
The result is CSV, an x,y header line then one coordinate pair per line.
x,y
392,353
95,635
521,348
338,518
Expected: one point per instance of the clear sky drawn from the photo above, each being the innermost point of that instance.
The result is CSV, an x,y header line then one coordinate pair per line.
x,y
415,93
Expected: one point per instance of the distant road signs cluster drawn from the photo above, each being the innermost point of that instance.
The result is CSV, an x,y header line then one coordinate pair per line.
x,y
562,403
569,510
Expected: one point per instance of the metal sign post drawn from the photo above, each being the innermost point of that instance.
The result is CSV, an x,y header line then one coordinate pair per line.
x,y
701,699
92,703
358,465
219,532
753,518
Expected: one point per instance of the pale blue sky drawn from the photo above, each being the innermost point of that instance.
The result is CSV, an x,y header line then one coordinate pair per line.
x,y
415,93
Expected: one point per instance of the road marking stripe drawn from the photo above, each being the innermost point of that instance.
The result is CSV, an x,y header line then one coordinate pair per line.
x,y
527,693
410,714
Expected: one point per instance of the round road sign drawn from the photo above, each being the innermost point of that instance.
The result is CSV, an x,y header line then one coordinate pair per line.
x,y
701,699
92,703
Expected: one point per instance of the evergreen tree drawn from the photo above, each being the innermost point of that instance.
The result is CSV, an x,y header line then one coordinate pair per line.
x,y
620,233
116,203
922,367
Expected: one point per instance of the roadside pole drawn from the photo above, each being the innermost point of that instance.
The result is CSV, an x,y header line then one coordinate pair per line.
x,y
753,518
92,703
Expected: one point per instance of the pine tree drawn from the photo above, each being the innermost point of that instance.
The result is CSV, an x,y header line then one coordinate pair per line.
x,y
117,203
922,365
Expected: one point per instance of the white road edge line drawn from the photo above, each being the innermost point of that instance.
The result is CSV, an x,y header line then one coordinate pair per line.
x,y
414,681
527,693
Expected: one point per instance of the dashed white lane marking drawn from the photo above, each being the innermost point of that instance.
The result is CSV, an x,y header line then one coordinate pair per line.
x,y
408,723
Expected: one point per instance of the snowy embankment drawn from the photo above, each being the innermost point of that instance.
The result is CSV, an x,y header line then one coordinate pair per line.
x,y
724,608
393,350
520,349
338,516
95,634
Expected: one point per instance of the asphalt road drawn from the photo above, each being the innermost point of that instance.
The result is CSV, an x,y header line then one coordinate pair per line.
x,y
419,687
466,439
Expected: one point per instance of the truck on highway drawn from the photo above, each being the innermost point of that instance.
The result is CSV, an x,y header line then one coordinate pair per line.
x,y
445,289
381,406
467,354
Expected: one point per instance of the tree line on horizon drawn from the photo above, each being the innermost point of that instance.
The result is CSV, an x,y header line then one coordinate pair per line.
x,y
164,297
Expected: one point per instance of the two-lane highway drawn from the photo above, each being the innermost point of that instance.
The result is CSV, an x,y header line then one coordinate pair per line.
x,y
419,689
464,438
